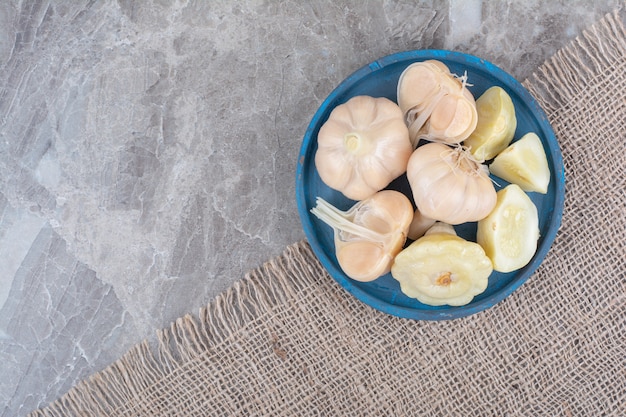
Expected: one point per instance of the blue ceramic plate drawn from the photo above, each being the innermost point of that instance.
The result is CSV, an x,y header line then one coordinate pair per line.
x,y
379,79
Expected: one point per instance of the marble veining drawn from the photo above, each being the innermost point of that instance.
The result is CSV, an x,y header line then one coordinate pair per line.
x,y
148,151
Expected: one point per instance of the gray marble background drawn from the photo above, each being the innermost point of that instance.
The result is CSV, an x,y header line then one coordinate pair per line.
x,y
148,151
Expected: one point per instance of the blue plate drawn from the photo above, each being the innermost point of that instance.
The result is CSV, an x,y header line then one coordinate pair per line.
x,y
379,79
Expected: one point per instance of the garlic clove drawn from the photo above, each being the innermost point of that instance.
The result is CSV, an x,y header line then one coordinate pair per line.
x,y
363,261
453,119
438,65
419,83
419,225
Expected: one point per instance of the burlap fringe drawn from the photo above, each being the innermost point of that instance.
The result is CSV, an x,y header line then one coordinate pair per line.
x,y
253,297
248,300
564,76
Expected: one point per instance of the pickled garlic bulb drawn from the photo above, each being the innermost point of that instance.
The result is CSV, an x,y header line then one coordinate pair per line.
x,y
437,106
370,234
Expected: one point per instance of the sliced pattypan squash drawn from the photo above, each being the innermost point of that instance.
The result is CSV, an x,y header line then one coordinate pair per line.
x,y
496,124
510,233
524,163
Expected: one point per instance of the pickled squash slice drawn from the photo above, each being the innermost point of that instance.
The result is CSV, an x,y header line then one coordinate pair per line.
x,y
509,234
524,163
496,124
442,268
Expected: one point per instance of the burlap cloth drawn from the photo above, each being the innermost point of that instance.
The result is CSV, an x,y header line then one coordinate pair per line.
x,y
288,341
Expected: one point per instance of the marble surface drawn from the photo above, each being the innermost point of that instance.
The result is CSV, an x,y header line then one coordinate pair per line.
x,y
148,151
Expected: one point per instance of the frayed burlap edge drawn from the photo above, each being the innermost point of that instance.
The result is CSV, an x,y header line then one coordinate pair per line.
x,y
567,72
241,305
249,300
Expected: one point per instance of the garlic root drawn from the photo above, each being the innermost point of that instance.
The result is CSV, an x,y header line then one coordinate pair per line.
x,y
370,234
419,225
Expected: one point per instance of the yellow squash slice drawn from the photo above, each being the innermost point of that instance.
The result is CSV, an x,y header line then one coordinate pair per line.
x,y
524,163
496,124
509,234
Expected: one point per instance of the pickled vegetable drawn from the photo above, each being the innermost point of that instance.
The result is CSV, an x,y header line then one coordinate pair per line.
x,y
509,234
363,146
419,225
524,163
442,268
449,185
370,234
436,104
496,124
